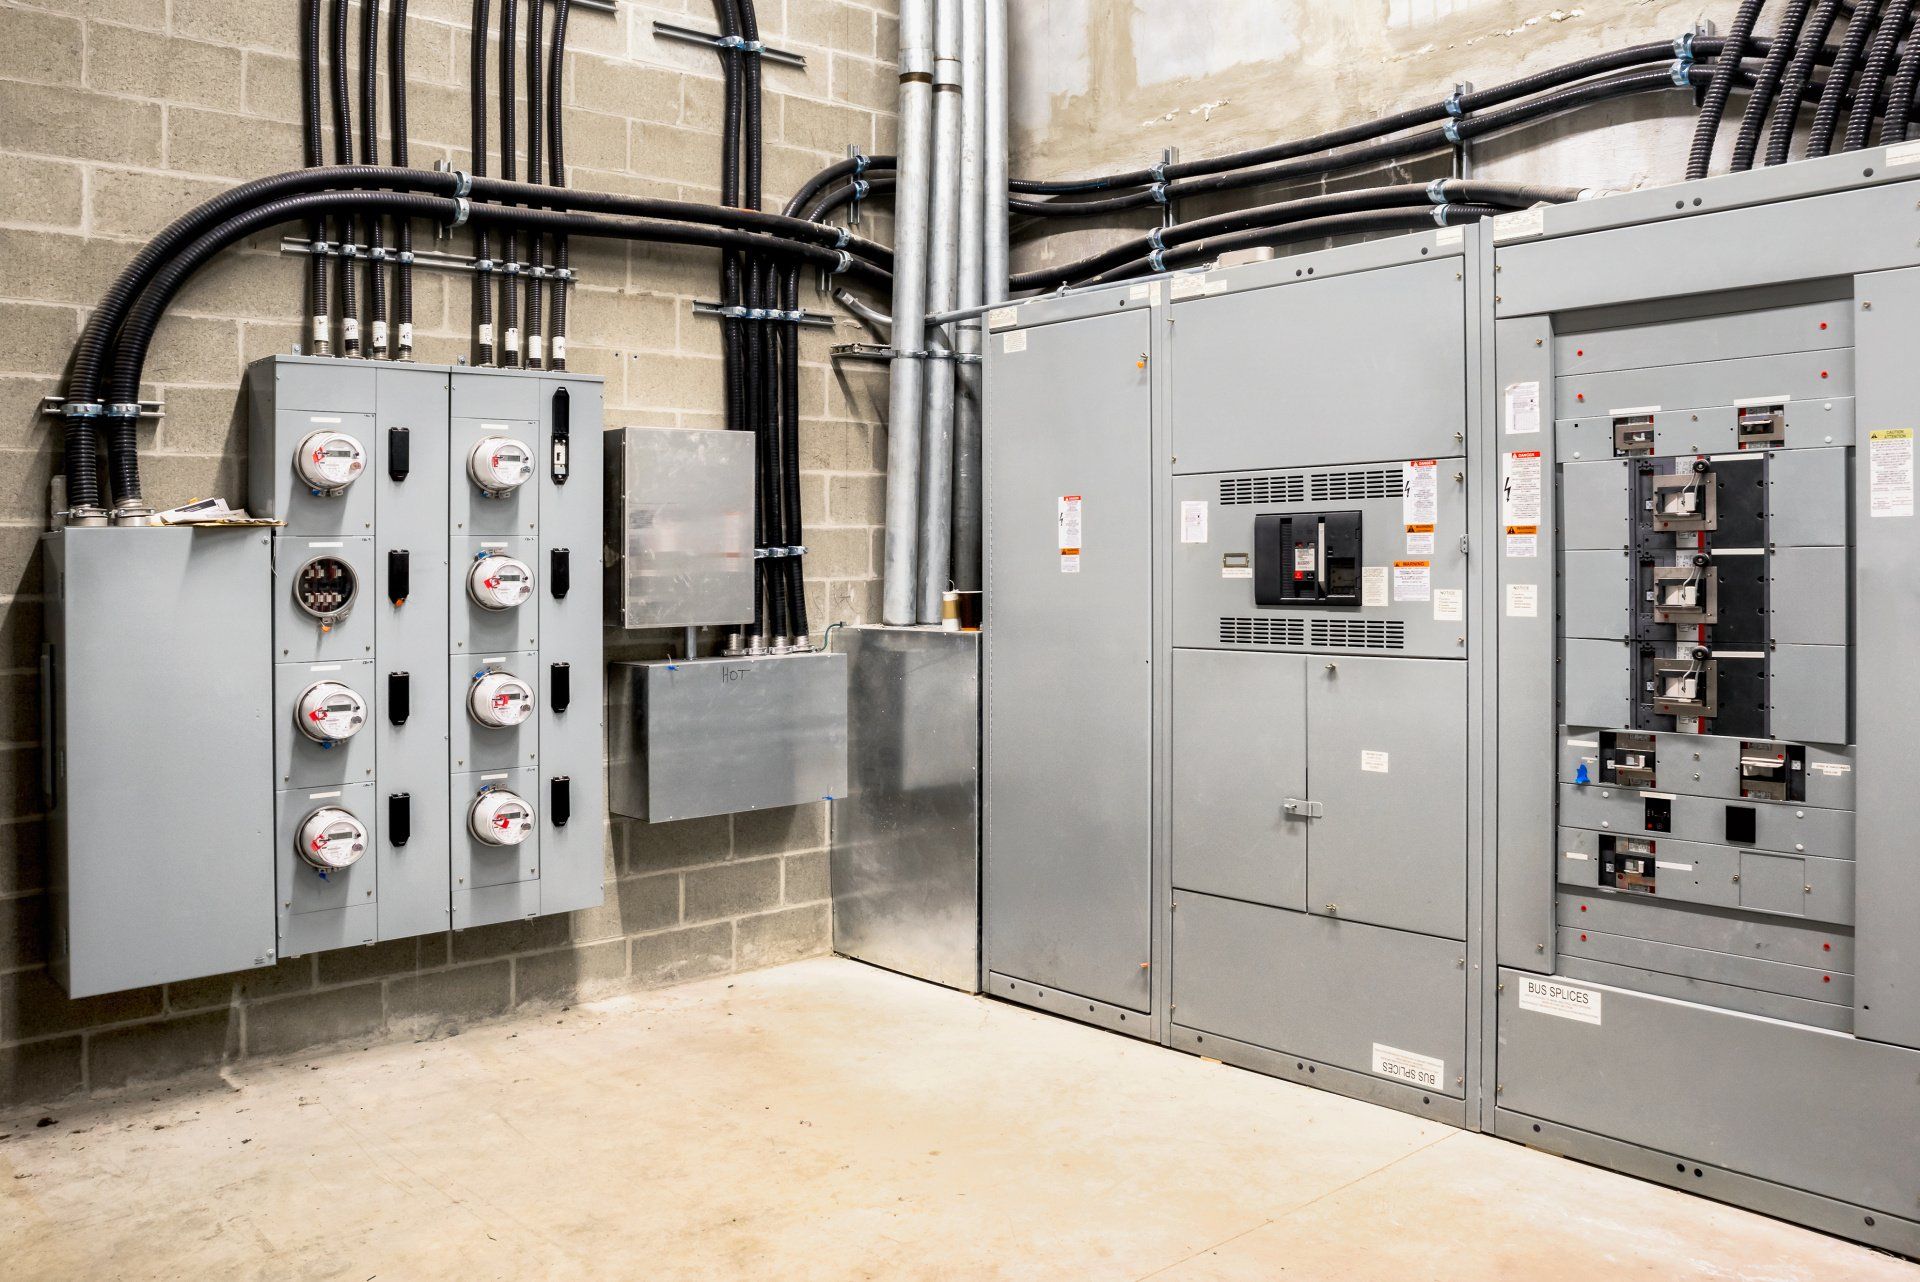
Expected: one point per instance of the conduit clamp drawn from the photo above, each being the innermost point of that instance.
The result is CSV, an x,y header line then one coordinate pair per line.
x,y
349,250
841,237
378,253
462,182
1154,239
860,189
83,409
1437,191
461,207
1157,261
562,273
1682,73
859,164
842,261
1440,215
483,265
1452,131
320,247
124,409
1159,193
1455,107
405,256
509,268
1683,46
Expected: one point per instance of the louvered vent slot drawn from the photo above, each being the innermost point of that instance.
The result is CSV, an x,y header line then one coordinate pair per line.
x,y
1263,489
1240,631
1357,634
1345,487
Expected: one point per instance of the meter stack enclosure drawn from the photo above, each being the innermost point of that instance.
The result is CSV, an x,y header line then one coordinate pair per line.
x,y
1709,590
1325,656
422,580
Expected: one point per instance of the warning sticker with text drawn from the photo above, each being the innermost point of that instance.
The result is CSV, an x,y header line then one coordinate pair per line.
x,y
1069,534
1520,488
1413,580
1890,456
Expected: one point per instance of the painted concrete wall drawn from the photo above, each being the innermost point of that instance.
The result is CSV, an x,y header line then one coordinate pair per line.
x,y
1105,85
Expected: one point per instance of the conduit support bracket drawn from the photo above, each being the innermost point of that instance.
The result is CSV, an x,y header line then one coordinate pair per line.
x,y
817,320
56,406
1462,156
435,259
692,35
875,352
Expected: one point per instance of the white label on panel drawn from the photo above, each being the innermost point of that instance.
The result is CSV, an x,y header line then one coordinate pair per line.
x,y
1404,1066
1187,287
1577,854
1070,533
1831,768
1193,521
1412,580
1449,236
1523,600
1449,605
1420,497
1303,561
1519,224
1236,572
1523,409
1014,342
1520,488
1139,293
1905,153
1419,540
1551,997
1000,318
1523,541
1891,455
1373,587
1670,867
1373,762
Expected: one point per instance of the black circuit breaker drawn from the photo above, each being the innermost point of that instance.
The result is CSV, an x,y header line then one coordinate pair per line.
x,y
1306,558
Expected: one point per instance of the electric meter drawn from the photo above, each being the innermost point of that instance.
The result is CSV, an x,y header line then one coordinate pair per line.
x,y
330,713
500,700
325,588
331,839
500,465
500,818
328,462
499,582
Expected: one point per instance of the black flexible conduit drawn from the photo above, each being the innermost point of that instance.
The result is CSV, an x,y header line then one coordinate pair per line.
x,y
762,377
1833,96
1713,105
509,157
320,296
370,152
343,155
536,16
482,245
1873,74
1900,94
557,177
795,536
397,111
1760,101
733,356
1786,112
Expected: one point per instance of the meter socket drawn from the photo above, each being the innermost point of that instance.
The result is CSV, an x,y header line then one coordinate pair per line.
x,y
499,700
499,465
499,582
331,838
328,462
328,712
499,817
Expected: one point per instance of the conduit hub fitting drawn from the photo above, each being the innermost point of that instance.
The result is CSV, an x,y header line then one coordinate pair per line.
x,y
328,462
498,582
500,818
500,700
331,839
329,712
499,465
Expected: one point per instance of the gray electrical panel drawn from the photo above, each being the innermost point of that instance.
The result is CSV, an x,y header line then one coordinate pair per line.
x,y
680,542
406,643
1708,588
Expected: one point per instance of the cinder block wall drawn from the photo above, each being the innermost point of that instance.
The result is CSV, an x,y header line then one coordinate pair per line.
x,y
118,115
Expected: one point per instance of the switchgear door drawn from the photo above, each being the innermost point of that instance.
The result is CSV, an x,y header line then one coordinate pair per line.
x,y
1239,759
1068,752
1389,789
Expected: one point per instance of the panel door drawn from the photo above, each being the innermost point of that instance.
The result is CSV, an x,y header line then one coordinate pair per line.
x,y
1389,775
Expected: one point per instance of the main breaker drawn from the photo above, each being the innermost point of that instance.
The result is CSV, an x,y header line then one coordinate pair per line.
x,y
381,717
1709,585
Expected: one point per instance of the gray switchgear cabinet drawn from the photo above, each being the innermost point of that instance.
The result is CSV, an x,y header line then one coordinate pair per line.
x,y
319,685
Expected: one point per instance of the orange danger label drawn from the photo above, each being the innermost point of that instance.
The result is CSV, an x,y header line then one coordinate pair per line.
x,y
1523,529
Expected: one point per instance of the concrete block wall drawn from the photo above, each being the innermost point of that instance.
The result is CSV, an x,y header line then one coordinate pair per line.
x,y
118,115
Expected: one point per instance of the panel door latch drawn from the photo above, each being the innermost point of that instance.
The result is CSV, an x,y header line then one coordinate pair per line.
x,y
1301,808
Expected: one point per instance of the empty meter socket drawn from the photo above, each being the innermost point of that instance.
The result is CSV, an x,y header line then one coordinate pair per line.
x,y
325,588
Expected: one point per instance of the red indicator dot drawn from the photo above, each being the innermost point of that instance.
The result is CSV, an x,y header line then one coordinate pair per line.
x,y
1583,908
1823,324
1579,396
1826,979
1826,948
1580,351
1583,939
1823,373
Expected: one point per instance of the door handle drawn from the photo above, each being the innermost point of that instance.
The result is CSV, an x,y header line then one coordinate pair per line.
x,y
1301,808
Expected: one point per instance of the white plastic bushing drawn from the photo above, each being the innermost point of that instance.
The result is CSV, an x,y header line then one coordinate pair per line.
x,y
500,700
329,461
331,839
329,712
500,818
499,582
500,465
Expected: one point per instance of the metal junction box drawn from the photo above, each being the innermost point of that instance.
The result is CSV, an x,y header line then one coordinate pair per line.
x,y
680,544
1709,589
718,736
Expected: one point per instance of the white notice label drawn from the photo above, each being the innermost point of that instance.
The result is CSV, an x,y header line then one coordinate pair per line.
x,y
1420,496
1904,153
1193,521
1373,587
1190,286
1014,342
1519,224
1523,409
1832,769
1419,540
1303,561
1891,458
1069,534
1520,488
1523,600
1449,236
1236,572
1000,318
1449,605
1551,997
1412,580
1581,855
1523,541
1373,762
1404,1066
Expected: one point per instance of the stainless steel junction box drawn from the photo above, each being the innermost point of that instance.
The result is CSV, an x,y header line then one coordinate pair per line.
x,y
1640,889
680,541
380,718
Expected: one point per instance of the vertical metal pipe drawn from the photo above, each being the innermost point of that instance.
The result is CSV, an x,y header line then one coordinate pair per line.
x,y
994,109
973,183
909,309
936,436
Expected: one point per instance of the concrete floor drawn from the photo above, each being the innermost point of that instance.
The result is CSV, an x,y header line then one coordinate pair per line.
x,y
827,1121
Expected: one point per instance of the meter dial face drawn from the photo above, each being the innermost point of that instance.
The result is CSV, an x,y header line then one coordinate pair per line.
x,y
500,818
499,464
331,839
499,582
329,461
329,712
500,700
